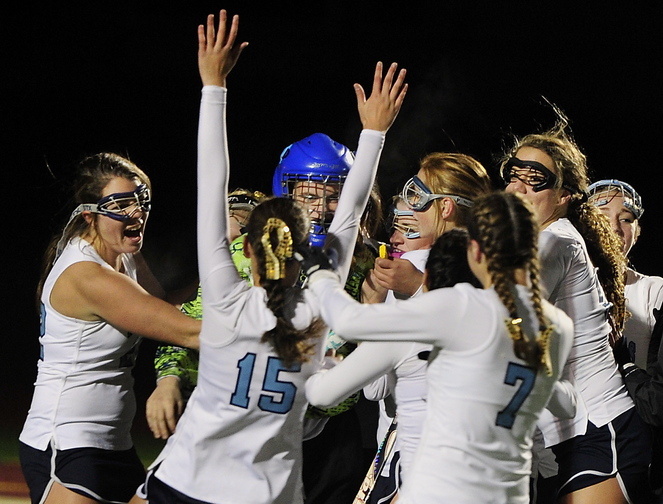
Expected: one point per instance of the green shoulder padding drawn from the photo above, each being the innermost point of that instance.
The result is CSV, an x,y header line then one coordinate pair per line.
x,y
313,412
242,263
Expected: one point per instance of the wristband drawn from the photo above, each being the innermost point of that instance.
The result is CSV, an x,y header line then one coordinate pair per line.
x,y
627,369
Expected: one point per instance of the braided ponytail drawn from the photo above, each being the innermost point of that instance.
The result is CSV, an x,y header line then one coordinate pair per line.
x,y
274,228
505,229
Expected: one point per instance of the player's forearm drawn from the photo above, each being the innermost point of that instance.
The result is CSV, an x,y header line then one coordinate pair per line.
x,y
177,361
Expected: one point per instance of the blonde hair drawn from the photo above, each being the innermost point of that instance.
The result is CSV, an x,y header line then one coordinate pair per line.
x,y
457,174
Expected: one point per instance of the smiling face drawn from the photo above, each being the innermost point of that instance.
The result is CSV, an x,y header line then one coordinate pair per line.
x,y
112,237
549,204
622,220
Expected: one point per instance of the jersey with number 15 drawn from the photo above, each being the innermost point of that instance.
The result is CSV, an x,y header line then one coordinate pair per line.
x,y
240,437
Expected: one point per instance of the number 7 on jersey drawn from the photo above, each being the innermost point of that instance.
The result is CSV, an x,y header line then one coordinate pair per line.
x,y
527,376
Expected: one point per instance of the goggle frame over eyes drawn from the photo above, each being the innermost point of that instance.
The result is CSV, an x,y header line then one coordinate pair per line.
x,y
393,224
140,199
550,181
425,197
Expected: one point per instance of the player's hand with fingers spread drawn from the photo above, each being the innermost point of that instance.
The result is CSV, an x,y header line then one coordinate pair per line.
x,y
379,111
217,50
164,407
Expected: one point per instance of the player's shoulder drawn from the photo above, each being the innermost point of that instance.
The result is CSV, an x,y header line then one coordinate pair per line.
x,y
559,232
418,258
634,277
641,287
464,293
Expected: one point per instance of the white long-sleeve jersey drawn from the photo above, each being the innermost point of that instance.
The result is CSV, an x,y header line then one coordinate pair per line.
x,y
644,294
240,438
483,402
395,362
571,282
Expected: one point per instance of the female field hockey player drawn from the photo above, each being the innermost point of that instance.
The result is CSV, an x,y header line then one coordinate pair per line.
x,y
96,304
498,353
603,453
240,437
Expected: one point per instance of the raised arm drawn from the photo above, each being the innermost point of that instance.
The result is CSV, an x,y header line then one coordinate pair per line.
x,y
377,114
217,54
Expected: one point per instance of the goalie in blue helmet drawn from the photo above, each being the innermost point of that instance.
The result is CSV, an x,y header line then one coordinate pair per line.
x,y
313,171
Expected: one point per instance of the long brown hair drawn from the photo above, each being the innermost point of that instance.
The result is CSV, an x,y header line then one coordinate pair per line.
x,y
505,229
603,245
276,226
94,173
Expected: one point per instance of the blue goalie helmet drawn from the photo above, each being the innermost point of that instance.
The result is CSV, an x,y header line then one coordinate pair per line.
x,y
313,171
601,192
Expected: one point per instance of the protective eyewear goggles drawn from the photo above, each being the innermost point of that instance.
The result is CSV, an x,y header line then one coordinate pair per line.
x,y
602,192
117,206
120,206
530,173
408,231
419,197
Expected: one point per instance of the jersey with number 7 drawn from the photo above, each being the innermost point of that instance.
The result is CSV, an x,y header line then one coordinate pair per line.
x,y
483,401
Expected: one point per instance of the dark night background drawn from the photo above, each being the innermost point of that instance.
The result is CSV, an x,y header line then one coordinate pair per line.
x,y
120,76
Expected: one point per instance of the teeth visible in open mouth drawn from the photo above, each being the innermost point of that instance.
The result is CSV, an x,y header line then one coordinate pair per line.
x,y
132,233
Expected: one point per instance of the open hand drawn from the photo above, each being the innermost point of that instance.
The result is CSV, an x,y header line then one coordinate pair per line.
x,y
379,111
217,51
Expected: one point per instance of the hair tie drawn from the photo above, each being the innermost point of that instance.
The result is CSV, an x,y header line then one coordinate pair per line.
x,y
275,258
513,325
544,346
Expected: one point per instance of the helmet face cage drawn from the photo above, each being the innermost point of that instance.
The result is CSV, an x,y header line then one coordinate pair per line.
x,y
419,197
243,201
603,191
393,224
121,206
320,194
